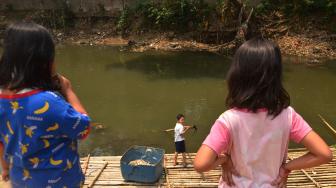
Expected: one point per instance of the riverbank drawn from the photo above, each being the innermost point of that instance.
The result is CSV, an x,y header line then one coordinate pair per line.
x,y
314,50
313,44
311,37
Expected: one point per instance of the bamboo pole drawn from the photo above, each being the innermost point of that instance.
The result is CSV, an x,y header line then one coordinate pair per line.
x,y
86,164
97,176
190,158
308,176
328,126
168,130
166,172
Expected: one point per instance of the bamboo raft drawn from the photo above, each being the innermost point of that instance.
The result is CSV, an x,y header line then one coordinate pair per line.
x,y
104,171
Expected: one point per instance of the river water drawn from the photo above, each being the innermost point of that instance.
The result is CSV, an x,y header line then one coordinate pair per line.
x,y
137,95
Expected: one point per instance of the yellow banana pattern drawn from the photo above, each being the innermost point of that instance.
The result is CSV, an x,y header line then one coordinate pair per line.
x,y
6,138
10,128
46,143
35,161
53,128
55,162
42,110
30,130
15,106
26,175
24,148
68,166
38,135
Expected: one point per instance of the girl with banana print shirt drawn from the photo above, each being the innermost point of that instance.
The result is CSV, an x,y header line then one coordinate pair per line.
x,y
39,128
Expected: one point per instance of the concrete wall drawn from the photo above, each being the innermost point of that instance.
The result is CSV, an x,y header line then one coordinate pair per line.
x,y
76,5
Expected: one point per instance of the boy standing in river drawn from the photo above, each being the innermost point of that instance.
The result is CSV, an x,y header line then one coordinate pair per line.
x,y
180,129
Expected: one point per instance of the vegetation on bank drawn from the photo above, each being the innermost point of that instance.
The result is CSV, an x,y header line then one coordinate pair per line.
x,y
225,22
196,15
188,15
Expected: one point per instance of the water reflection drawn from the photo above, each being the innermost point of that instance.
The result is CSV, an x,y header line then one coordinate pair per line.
x,y
168,66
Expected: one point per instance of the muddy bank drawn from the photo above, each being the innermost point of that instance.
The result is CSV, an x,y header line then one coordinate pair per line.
x,y
303,46
314,43
314,49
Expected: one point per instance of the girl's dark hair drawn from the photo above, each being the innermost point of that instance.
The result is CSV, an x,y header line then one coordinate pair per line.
x,y
255,78
27,58
179,116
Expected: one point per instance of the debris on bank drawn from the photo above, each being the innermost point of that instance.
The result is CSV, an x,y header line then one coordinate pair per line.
x,y
307,47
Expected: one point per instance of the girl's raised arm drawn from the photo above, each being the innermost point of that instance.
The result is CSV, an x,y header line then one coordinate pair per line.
x,y
70,95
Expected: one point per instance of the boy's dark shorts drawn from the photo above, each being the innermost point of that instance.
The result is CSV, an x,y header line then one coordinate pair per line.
x,y
180,147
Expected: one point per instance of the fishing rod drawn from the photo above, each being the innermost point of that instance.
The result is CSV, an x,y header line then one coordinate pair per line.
x,y
193,127
328,126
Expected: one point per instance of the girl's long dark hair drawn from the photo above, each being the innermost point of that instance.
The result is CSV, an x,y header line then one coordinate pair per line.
x,y
255,78
27,58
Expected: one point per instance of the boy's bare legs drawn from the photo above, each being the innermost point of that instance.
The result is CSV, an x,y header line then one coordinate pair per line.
x,y
175,158
184,163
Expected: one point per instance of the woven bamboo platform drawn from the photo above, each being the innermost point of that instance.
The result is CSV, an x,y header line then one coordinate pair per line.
x,y
177,176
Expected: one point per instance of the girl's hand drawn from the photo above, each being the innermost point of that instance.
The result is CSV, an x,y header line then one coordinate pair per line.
x,y
69,94
281,180
5,174
64,83
228,170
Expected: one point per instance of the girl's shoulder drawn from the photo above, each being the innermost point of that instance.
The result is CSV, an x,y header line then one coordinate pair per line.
x,y
232,112
228,115
55,95
235,111
34,104
237,114
28,94
49,95
46,99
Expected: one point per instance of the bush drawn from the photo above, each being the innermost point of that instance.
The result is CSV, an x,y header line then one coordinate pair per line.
x,y
173,14
123,21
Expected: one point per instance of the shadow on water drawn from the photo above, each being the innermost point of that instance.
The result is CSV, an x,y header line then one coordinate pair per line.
x,y
176,66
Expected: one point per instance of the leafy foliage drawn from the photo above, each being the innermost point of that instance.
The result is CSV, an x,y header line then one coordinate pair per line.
x,y
123,21
169,14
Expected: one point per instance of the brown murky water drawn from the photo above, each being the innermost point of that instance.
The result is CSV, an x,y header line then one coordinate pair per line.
x,y
137,95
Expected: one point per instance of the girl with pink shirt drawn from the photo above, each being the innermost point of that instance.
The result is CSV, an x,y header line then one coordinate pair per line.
x,y
250,140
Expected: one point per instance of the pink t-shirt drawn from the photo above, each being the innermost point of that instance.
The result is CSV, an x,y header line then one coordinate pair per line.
x,y
256,142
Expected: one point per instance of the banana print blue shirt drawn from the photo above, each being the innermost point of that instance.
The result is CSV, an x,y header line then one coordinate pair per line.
x,y
39,131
